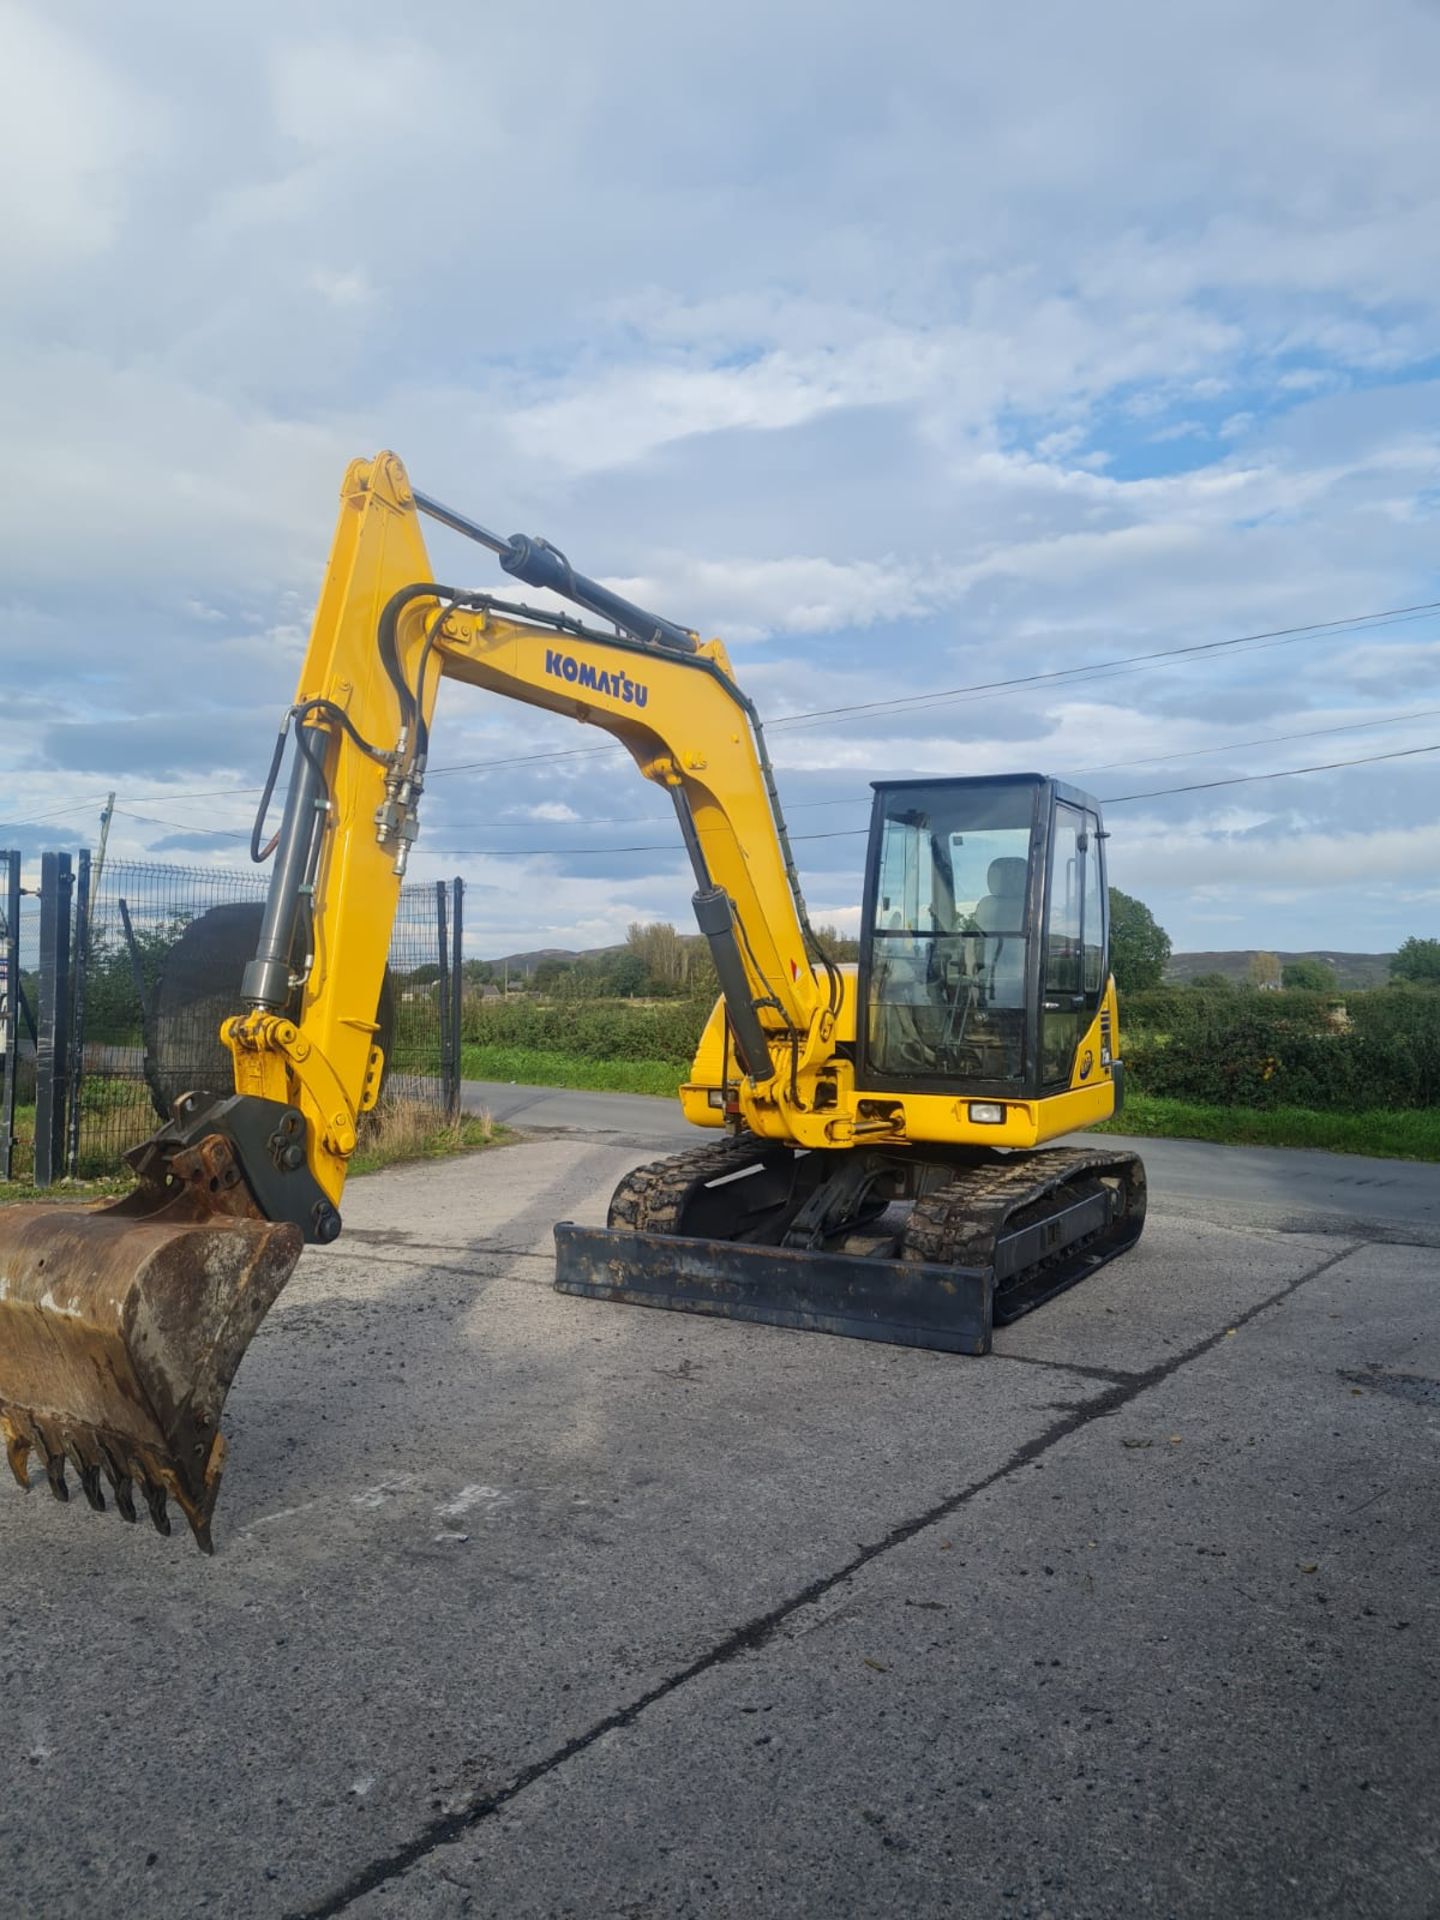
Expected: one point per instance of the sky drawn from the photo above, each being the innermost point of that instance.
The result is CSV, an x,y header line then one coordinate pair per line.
x,y
905,349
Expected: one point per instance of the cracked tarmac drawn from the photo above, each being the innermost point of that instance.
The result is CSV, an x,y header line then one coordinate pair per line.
x,y
526,1605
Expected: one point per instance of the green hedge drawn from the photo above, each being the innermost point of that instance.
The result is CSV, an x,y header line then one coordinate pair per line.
x,y
1265,1050
1183,1010
597,1029
1255,1050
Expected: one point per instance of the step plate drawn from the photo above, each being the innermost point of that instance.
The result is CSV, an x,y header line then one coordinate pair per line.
x,y
902,1302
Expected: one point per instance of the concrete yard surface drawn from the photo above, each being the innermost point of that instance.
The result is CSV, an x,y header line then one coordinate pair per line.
x,y
525,1605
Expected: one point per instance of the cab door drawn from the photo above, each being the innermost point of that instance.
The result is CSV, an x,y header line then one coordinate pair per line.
x,y
1074,959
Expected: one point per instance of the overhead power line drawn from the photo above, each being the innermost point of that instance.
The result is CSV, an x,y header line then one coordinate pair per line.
x,y
841,833
1057,676
1257,642
847,833
1244,779
183,826
794,806
1344,628
1264,740
1110,766
77,806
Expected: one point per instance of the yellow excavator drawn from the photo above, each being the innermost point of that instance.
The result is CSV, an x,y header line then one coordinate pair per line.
x,y
876,1170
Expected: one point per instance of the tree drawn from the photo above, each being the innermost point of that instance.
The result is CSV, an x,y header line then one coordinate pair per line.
x,y
1264,970
112,1004
670,958
1309,975
838,945
1213,983
1417,963
1139,945
629,975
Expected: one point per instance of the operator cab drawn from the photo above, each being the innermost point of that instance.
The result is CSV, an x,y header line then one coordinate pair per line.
x,y
984,945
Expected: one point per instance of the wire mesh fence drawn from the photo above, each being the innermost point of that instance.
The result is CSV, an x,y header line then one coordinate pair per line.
x,y
155,955
154,987
18,1029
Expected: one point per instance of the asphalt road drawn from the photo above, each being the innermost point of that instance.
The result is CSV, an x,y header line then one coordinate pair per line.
x,y
529,1606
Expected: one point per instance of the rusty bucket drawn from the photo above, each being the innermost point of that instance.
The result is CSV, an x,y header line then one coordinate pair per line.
x,y
121,1327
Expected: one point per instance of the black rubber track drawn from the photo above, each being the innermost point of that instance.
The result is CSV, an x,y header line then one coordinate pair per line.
x,y
958,1225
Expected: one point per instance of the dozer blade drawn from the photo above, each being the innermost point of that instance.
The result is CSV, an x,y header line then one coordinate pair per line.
x,y
121,1327
904,1303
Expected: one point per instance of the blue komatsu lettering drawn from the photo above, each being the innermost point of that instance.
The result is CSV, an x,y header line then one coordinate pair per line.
x,y
618,686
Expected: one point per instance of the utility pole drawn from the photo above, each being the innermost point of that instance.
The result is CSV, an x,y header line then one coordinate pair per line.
x,y
105,818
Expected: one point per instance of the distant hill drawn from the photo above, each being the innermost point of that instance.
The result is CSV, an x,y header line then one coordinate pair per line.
x,y
522,965
1351,969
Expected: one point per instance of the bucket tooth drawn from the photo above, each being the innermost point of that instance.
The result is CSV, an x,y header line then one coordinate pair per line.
x,y
89,1474
17,1449
122,1483
155,1500
55,1473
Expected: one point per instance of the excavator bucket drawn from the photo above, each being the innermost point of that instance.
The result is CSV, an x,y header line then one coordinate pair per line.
x,y
121,1327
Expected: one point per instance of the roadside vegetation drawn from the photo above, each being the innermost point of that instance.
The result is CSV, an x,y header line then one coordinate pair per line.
x,y
1387,1135
401,1130
398,1130
1285,1058
537,1067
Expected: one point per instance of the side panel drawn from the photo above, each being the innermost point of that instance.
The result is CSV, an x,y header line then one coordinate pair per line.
x,y
927,1117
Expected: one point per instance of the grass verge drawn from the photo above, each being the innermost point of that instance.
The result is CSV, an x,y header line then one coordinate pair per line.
x,y
395,1132
400,1130
1392,1135
1400,1134
535,1067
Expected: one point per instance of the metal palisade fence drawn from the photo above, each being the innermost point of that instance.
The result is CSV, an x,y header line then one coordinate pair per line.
x,y
114,981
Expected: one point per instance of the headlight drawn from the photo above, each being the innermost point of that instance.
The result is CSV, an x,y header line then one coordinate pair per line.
x,y
716,1097
987,1113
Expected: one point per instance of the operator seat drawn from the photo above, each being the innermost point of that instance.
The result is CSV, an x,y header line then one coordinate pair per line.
x,y
1000,915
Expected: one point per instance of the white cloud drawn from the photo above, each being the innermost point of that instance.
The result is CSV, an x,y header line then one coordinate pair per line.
x,y
68,127
330,93
343,288
881,378
546,810
1227,864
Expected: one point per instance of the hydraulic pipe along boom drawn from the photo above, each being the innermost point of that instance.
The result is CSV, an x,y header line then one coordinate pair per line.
x,y
266,982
